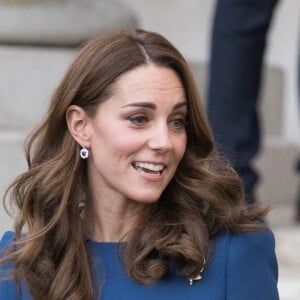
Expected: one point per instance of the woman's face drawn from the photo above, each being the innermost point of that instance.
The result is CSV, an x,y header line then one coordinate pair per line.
x,y
138,135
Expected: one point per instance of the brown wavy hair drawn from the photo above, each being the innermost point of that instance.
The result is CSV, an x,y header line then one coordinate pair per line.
x,y
204,197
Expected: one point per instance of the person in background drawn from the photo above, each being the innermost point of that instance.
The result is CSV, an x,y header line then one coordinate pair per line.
x,y
125,196
240,29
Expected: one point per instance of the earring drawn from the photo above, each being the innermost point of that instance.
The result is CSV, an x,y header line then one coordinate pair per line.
x,y
81,208
84,153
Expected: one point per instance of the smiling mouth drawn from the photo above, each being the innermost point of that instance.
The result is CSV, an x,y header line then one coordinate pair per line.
x,y
149,168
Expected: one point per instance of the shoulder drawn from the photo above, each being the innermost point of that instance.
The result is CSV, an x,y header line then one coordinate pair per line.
x,y
252,249
262,241
251,265
6,240
8,288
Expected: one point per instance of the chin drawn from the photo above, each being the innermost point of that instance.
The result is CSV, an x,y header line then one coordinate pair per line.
x,y
146,198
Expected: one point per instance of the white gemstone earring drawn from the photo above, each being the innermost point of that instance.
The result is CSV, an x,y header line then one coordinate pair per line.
x,y
81,208
84,153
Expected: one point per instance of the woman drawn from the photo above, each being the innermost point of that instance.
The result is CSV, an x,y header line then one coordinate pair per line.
x,y
124,197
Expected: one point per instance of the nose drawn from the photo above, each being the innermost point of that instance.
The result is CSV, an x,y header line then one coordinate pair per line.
x,y
160,139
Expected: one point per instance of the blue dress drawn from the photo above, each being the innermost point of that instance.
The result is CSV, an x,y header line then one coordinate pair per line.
x,y
243,267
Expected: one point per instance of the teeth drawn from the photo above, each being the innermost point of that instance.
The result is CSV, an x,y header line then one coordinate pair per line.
x,y
148,166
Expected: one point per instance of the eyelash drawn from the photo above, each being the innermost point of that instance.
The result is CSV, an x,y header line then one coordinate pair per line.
x,y
136,118
181,125
140,120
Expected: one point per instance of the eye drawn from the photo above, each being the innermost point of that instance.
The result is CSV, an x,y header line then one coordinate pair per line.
x,y
138,119
178,123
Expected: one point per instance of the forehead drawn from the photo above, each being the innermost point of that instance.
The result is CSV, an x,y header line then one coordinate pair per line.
x,y
151,79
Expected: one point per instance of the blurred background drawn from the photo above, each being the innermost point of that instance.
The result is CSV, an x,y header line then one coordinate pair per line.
x,y
38,39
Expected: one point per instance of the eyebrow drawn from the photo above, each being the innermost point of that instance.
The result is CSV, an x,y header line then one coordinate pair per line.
x,y
152,105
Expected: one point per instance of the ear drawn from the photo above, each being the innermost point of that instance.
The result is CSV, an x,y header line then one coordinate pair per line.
x,y
77,121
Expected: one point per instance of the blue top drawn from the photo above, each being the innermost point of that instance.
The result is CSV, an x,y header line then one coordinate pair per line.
x,y
243,267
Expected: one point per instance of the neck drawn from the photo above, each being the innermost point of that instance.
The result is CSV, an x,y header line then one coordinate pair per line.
x,y
109,220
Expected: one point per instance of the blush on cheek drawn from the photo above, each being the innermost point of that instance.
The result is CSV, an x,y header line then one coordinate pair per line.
x,y
125,141
183,148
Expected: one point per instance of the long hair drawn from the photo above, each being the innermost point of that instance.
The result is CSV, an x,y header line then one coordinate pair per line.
x,y
204,197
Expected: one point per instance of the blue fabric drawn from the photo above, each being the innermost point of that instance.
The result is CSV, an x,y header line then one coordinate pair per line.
x,y
242,267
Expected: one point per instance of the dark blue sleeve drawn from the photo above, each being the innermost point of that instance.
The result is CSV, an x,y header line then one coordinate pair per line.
x,y
252,270
8,288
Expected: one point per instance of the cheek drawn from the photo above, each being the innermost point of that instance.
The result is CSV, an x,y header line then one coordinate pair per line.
x,y
116,142
181,147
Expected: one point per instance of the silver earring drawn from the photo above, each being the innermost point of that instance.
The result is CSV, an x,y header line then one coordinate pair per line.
x,y
84,153
81,208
